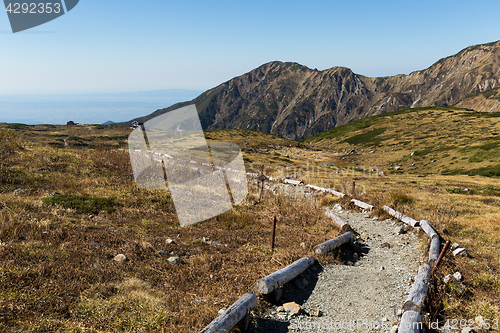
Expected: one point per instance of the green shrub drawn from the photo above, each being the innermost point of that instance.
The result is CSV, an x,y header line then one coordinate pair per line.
x,y
365,137
83,204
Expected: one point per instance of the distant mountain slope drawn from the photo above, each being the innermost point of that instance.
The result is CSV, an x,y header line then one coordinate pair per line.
x,y
295,102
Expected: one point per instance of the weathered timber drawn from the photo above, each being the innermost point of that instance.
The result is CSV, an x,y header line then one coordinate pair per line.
x,y
293,182
336,193
327,190
426,227
434,250
341,224
333,243
411,322
232,316
401,216
418,291
362,205
277,279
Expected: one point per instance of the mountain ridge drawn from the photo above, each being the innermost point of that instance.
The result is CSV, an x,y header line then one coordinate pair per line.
x,y
293,101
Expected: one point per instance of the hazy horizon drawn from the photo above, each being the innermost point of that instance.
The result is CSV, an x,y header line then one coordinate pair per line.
x,y
95,108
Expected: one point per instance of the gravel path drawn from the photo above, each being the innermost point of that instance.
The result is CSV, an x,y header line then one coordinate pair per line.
x,y
367,290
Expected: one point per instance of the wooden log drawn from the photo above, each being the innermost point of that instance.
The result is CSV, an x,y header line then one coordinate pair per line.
x,y
362,205
434,250
232,316
333,243
277,279
418,291
426,227
338,194
327,190
314,187
401,216
341,224
411,322
293,182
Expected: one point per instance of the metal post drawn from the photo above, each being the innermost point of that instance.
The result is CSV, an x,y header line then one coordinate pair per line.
x,y
273,233
441,255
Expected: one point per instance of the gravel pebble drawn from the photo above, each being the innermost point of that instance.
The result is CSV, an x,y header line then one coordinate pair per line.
x,y
371,288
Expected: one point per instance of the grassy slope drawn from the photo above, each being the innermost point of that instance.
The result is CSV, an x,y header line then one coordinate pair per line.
x,y
58,273
106,297
453,149
442,140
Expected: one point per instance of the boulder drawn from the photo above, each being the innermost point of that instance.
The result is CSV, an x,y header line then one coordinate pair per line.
x,y
174,260
120,258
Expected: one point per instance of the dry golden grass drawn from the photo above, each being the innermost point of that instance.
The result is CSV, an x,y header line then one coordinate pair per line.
x,y
47,278
58,272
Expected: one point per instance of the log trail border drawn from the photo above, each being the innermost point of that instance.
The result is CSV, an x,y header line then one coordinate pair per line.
x,y
238,313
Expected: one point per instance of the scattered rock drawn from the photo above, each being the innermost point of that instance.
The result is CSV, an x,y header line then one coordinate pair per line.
x,y
169,241
447,278
460,252
303,245
120,258
292,308
20,191
337,207
454,246
382,268
399,230
94,243
174,260
444,231
55,194
94,265
458,276
315,313
398,168
385,245
162,253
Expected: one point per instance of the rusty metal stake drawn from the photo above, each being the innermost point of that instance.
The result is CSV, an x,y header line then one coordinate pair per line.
x,y
273,233
353,189
441,255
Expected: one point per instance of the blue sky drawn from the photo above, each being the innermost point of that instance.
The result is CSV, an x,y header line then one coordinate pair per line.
x,y
133,45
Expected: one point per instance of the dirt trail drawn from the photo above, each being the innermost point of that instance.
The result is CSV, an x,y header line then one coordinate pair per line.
x,y
362,295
